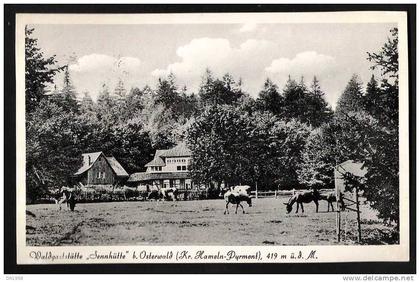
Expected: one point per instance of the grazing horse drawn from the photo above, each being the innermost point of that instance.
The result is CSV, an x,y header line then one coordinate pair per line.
x,y
331,198
235,199
302,197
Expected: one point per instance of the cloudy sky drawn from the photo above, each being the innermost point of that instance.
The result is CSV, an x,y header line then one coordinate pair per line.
x,y
139,54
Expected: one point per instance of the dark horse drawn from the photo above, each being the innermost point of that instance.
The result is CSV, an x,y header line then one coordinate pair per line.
x,y
235,199
331,198
303,197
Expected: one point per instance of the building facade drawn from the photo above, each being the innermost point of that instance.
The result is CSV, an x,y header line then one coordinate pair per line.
x,y
169,168
97,169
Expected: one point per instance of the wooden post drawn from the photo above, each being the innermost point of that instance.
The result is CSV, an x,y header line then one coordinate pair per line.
x,y
359,229
338,210
338,224
256,190
275,194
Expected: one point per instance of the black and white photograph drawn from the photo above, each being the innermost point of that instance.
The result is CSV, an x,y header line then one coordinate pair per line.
x,y
197,138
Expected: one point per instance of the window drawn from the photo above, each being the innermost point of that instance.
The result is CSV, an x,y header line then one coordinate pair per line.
x,y
103,175
178,167
184,167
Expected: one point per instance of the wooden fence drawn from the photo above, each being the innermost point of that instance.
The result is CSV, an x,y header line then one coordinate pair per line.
x,y
281,193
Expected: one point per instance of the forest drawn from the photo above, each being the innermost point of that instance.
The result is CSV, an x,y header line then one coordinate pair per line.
x,y
282,139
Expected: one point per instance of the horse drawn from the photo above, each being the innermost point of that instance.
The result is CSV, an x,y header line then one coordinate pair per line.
x,y
331,198
302,197
169,194
235,199
154,194
163,194
241,190
68,197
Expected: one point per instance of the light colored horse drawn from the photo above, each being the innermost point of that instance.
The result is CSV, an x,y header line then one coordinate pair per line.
x,y
236,199
163,194
67,197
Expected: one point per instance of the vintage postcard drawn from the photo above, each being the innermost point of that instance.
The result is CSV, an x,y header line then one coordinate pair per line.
x,y
212,138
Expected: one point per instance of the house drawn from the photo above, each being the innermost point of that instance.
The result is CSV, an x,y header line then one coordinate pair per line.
x,y
169,168
99,169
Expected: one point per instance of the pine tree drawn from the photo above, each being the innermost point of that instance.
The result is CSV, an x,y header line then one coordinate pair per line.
x,y
372,95
167,92
269,99
87,103
39,71
352,98
294,100
318,109
120,90
66,98
104,96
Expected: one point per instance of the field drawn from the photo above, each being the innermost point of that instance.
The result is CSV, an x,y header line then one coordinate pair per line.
x,y
195,223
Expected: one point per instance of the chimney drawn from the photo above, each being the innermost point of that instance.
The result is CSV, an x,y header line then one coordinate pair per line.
x,y
87,160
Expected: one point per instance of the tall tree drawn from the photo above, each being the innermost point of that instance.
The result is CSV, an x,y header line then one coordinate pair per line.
x,y
382,184
319,110
220,92
387,59
55,140
306,105
372,95
167,92
352,98
66,98
120,90
87,103
218,139
269,98
39,71
369,132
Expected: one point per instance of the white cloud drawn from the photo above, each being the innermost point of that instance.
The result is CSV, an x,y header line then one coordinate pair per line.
x,y
248,27
309,64
101,62
253,60
305,63
247,61
89,72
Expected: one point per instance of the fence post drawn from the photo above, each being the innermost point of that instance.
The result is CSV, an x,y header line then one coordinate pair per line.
x,y
359,229
275,194
256,190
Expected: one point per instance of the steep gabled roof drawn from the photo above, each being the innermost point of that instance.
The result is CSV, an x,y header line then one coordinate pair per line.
x,y
116,167
86,166
179,150
353,167
157,160
113,163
